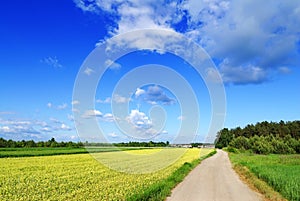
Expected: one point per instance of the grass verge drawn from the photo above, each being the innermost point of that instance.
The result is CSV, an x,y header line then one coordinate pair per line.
x,y
270,173
162,189
257,185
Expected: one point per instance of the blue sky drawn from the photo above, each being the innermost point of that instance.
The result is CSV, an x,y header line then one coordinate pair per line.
x,y
255,47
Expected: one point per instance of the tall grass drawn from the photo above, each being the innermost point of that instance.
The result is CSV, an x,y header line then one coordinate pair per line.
x,y
282,172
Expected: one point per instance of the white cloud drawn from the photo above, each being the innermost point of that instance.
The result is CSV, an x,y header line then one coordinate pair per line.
x,y
139,92
46,129
73,137
213,75
112,64
88,71
58,107
18,127
71,117
243,75
75,110
113,134
106,100
260,42
65,127
139,120
156,94
41,123
284,70
62,107
181,118
51,61
5,129
31,129
54,120
75,102
120,99
92,113
85,6
15,122
108,117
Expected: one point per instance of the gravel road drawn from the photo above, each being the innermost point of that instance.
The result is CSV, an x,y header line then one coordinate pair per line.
x,y
213,180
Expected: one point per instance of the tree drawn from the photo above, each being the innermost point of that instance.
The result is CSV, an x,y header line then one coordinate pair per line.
x,y
224,138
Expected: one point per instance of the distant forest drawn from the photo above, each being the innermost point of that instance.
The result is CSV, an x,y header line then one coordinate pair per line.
x,y
263,137
53,143
30,143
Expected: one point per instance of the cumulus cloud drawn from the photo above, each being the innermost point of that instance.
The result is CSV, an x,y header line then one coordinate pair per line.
x,y
154,95
139,92
244,75
139,120
92,113
258,43
31,129
107,117
65,127
17,127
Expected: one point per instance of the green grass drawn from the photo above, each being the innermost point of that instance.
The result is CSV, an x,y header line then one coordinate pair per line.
x,y
159,191
48,151
281,172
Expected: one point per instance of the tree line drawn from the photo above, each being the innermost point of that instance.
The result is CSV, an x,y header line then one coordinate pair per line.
x,y
53,143
263,137
30,143
142,144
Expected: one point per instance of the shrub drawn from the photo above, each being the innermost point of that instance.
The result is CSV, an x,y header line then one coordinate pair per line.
x,y
240,142
262,147
281,148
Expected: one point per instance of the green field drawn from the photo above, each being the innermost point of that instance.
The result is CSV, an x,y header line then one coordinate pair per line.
x,y
282,172
82,177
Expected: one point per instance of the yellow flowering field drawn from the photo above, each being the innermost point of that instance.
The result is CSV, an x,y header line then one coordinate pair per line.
x,y
84,177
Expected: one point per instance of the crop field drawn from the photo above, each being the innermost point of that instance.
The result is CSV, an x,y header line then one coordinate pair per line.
x,y
84,177
282,172
47,151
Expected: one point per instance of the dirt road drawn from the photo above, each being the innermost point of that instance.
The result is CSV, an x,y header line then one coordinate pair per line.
x,y
213,180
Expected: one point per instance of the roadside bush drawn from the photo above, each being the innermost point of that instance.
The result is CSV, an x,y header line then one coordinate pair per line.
x,y
281,147
232,149
240,142
262,147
